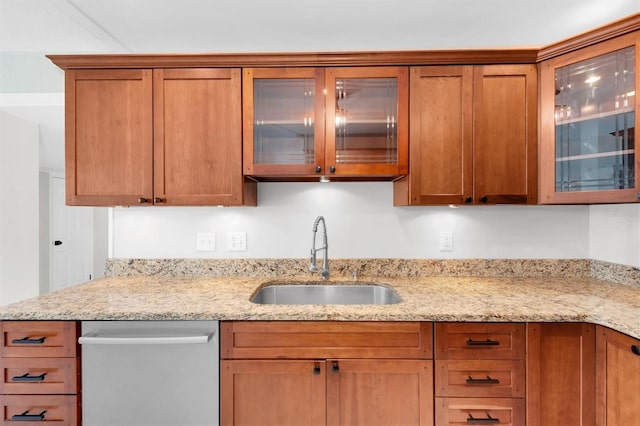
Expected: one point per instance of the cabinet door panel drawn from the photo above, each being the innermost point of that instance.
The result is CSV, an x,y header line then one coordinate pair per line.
x,y
109,128
272,393
617,376
197,137
367,121
441,135
379,392
505,134
283,121
560,377
588,124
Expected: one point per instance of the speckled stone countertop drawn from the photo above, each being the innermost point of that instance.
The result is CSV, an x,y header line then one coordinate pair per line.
x,y
435,298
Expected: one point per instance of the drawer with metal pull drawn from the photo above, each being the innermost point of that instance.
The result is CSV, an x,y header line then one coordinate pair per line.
x,y
480,378
479,341
38,339
38,409
39,376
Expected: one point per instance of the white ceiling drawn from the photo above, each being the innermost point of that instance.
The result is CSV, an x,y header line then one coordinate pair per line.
x,y
29,29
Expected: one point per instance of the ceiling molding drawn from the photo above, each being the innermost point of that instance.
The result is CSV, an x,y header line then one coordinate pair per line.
x,y
391,58
617,28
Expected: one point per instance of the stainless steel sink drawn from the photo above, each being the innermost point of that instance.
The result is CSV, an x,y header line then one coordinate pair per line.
x,y
337,293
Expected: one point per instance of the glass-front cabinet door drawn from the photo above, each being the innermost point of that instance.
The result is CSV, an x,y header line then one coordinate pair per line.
x,y
283,121
588,125
325,122
367,121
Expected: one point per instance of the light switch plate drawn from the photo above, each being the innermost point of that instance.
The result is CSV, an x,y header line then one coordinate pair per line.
x,y
205,241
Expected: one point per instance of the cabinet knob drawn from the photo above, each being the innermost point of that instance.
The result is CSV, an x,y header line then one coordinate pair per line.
x,y
635,349
158,200
335,367
484,199
468,200
318,169
143,200
316,368
332,169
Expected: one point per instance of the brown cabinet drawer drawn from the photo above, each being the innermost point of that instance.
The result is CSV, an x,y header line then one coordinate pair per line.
x,y
25,410
480,378
39,376
488,411
479,341
38,339
326,339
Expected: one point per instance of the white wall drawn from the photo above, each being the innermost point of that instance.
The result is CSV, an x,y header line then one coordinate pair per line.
x,y
362,223
19,276
614,233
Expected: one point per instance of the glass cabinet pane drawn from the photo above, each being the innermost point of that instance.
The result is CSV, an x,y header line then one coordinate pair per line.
x,y
283,121
365,120
594,121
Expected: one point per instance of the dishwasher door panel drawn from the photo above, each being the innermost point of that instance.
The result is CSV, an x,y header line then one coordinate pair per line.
x,y
148,384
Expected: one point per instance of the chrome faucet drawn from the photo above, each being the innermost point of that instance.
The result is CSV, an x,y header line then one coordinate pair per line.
x,y
325,246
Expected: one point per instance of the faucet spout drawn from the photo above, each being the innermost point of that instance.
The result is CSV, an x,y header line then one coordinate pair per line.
x,y
324,273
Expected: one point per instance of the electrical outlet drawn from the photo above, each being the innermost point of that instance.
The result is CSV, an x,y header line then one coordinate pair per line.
x,y
205,241
237,241
446,241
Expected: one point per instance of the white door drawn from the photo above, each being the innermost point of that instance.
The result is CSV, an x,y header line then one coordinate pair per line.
x,y
71,240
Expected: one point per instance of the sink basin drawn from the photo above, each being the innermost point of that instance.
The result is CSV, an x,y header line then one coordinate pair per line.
x,y
337,293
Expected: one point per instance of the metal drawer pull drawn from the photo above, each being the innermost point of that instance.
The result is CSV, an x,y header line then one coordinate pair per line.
x,y
488,342
335,367
483,421
29,341
316,369
28,417
487,381
635,349
27,378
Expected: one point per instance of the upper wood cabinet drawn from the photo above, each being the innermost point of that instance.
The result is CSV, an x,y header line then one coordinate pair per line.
x,y
588,124
336,122
165,136
473,136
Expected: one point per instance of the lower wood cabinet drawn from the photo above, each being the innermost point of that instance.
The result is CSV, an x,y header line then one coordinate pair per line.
x,y
480,411
561,374
317,379
40,366
617,378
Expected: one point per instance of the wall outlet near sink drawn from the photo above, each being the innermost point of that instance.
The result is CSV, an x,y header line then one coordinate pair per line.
x,y
206,241
236,241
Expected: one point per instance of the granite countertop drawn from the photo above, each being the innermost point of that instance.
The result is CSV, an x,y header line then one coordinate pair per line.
x,y
434,298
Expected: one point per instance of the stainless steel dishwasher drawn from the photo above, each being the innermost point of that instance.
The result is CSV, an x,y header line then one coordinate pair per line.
x,y
151,373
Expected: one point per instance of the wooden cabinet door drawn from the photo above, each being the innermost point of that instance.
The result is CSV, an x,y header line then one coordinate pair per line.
x,y
379,392
272,393
505,134
441,139
561,374
367,121
617,378
588,122
283,121
197,137
109,126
